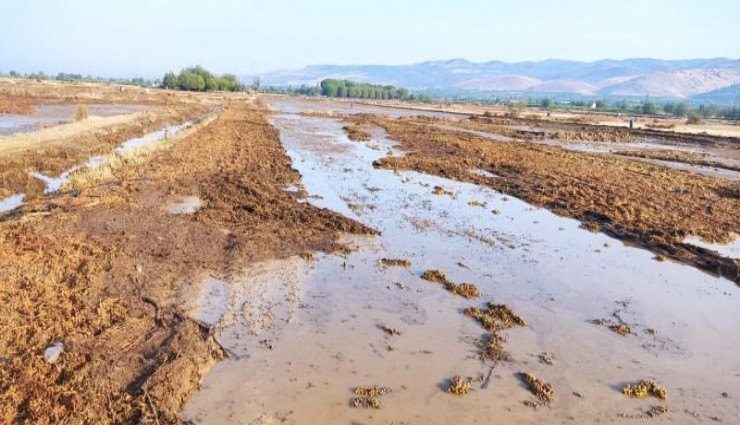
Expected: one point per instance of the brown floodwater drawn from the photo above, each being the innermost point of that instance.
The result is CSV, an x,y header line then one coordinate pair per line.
x,y
303,333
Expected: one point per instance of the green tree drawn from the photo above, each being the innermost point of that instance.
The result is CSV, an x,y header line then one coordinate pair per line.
x,y
648,108
170,80
212,84
681,110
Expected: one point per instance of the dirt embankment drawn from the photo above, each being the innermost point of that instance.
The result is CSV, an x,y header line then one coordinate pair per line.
x,y
101,270
16,106
54,150
654,206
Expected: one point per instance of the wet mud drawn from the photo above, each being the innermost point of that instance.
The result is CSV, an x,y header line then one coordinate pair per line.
x,y
337,321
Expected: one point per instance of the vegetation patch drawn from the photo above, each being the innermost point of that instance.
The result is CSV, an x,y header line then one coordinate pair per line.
x,y
645,388
357,133
466,290
491,348
542,390
495,316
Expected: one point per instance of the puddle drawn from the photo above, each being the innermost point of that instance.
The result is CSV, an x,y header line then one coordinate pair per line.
x,y
486,134
295,106
11,202
54,183
186,205
50,115
319,322
484,173
731,250
152,137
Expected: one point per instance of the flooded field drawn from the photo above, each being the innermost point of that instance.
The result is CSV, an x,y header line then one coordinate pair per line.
x,y
302,334
53,184
51,115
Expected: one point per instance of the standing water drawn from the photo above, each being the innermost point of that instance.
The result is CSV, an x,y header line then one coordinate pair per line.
x,y
303,335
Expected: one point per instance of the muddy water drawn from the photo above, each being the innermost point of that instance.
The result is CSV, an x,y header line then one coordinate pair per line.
x,y
610,148
50,115
303,333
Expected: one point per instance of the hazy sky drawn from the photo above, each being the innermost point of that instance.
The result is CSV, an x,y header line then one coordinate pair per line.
x,y
148,37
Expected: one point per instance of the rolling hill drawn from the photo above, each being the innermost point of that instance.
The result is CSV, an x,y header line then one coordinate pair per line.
x,y
605,78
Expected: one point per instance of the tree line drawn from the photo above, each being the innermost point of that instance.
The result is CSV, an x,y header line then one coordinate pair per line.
x,y
73,77
353,90
197,78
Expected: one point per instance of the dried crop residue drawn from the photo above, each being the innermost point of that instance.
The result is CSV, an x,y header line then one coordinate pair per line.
x,y
21,154
677,156
657,411
459,386
491,347
539,388
653,206
435,276
645,388
611,135
395,262
495,316
101,272
357,133
369,397
16,106
465,290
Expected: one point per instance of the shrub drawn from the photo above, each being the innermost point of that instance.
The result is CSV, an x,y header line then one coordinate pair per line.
x,y
81,112
693,119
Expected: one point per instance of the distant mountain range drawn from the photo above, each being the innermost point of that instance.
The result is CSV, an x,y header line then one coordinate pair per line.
x,y
679,79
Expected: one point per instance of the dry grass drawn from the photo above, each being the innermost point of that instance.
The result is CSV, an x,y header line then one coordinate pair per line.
x,y
466,290
81,112
539,388
60,134
111,164
491,348
495,317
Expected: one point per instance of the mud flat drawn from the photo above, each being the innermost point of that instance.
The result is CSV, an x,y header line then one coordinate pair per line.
x,y
95,328
305,333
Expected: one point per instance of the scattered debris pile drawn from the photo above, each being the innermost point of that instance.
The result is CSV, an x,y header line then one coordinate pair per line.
x,y
369,397
645,388
542,390
465,290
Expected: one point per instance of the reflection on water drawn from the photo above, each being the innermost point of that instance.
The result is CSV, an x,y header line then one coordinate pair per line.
x,y
319,336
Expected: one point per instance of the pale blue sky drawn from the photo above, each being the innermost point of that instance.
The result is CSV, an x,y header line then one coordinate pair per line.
x,y
148,37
